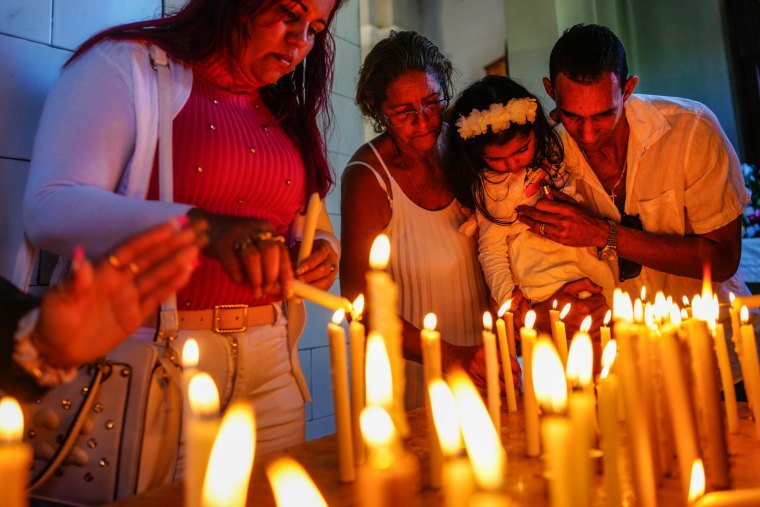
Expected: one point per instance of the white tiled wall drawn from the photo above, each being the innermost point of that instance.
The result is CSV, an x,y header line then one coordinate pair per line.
x,y
36,38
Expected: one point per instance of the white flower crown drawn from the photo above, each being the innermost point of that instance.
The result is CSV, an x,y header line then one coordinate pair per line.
x,y
498,116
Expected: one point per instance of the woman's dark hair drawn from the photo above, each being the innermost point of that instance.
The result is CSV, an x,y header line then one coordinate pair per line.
x,y
397,54
463,163
585,52
203,27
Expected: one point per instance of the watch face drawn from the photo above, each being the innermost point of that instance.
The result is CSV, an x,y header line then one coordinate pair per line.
x,y
607,253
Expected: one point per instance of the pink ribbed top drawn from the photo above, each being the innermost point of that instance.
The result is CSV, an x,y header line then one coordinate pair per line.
x,y
231,157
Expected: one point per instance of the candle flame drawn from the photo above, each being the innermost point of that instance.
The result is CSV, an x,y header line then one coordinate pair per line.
x,y
697,482
649,319
430,321
684,314
697,308
445,417
586,324
549,380
744,314
231,460
580,360
554,304
338,316
357,307
608,357
731,297
292,486
530,319
203,396
622,308
487,321
190,354
643,292
607,317
505,308
638,311
11,421
713,311
483,444
380,252
686,301
676,314
565,311
661,306
379,434
379,379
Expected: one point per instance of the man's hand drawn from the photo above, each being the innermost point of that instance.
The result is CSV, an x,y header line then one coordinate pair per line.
x,y
565,221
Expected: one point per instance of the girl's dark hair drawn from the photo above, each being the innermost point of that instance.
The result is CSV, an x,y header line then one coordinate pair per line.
x,y
463,163
203,27
397,54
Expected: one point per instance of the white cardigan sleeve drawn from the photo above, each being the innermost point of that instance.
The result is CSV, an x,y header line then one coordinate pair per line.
x,y
79,190
493,254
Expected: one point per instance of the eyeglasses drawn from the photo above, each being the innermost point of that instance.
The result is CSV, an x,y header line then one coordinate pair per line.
x,y
629,269
409,116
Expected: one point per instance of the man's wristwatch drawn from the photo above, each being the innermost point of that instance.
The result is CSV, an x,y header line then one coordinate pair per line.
x,y
609,251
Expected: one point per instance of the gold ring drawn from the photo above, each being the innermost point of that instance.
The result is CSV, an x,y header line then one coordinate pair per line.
x,y
134,268
332,267
269,236
542,229
114,261
242,244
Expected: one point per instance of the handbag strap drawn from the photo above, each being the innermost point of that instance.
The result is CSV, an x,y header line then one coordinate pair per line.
x,y
74,429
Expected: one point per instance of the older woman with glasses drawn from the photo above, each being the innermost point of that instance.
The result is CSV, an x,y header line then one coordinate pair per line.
x,y
394,185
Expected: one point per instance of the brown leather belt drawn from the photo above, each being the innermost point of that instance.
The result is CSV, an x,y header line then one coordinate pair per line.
x,y
225,318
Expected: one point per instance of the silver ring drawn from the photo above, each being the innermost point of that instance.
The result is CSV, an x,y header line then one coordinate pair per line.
x,y
542,229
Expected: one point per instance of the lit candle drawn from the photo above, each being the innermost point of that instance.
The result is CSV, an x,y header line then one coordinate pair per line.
x,y
643,293
292,486
608,420
709,411
581,404
382,302
732,498
605,329
553,317
313,208
507,347
378,376
679,398
487,456
561,334
493,392
733,311
320,297
190,356
356,335
457,479
15,456
391,475
530,406
431,363
337,337
201,427
752,371
635,413
556,430
231,461
726,375
647,363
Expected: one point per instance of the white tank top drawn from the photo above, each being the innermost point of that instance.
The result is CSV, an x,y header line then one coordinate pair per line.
x,y
436,269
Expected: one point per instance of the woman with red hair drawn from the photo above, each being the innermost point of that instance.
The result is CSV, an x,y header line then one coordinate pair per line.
x,y
248,79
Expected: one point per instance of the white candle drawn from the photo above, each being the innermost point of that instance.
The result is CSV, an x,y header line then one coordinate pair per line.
x,y
356,348
190,357
530,406
458,482
430,340
337,337
382,302
608,420
724,364
553,317
732,498
750,366
561,334
487,456
556,430
493,392
320,297
231,461
313,208
604,330
581,405
709,410
391,475
292,486
378,376
201,427
15,456
507,354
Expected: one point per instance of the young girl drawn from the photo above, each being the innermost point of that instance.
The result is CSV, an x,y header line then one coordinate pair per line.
x,y
503,153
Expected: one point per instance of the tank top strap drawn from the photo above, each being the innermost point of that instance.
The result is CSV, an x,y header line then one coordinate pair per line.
x,y
378,177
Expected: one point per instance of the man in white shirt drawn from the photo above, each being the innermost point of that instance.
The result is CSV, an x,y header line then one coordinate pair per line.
x,y
661,184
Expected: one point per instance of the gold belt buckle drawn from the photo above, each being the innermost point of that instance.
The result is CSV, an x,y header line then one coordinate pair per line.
x,y
218,318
